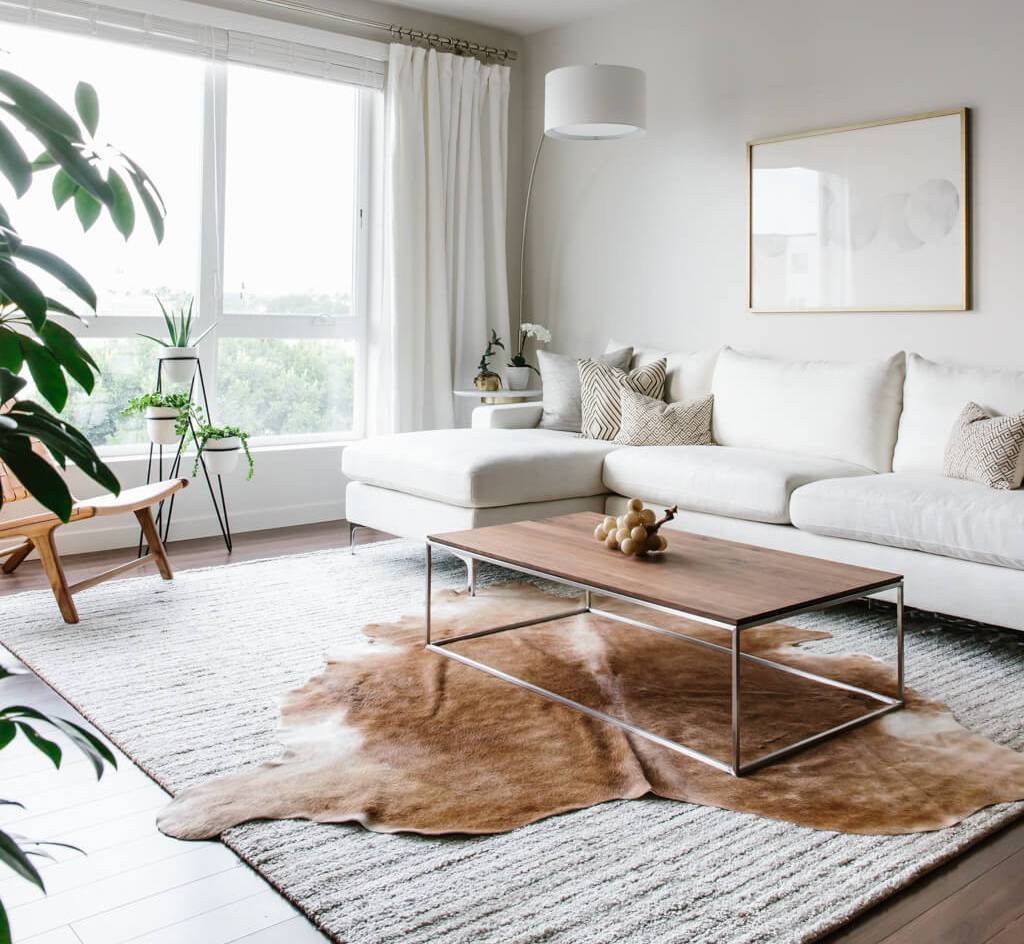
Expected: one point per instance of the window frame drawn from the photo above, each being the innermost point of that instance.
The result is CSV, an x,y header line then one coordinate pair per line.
x,y
209,295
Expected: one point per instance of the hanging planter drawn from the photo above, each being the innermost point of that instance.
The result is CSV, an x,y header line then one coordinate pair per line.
x,y
179,351
166,414
220,448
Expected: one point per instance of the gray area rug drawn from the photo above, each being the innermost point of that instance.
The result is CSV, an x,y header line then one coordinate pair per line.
x,y
184,676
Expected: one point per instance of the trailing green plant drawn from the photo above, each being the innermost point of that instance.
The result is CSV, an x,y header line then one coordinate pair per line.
x,y
16,851
91,177
179,327
181,402
207,431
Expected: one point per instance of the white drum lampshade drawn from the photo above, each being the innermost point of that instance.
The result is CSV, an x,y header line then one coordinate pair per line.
x,y
595,102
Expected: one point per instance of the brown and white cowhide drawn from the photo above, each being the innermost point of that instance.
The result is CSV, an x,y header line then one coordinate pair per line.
x,y
397,738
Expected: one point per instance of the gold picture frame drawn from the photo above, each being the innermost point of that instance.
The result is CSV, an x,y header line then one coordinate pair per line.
x,y
963,215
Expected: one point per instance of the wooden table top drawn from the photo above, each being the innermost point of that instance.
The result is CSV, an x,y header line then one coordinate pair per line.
x,y
731,583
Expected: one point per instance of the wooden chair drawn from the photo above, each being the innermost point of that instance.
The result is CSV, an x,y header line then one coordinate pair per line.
x,y
37,533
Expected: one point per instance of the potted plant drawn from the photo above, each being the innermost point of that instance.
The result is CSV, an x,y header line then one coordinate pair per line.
x,y
487,379
178,352
219,447
518,372
166,414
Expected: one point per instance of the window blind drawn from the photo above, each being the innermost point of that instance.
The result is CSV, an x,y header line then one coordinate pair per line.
x,y
194,39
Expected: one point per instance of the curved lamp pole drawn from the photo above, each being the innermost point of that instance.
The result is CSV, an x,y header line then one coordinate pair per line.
x,y
585,103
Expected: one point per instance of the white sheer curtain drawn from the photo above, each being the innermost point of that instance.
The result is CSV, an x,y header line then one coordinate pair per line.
x,y
444,274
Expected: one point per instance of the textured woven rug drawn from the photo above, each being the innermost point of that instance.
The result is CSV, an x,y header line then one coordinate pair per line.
x,y
186,678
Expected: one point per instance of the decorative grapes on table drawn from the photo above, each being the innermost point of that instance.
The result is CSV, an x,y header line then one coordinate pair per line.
x,y
636,533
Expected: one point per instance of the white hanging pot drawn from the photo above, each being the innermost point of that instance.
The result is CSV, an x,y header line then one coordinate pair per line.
x,y
221,455
517,378
179,364
160,421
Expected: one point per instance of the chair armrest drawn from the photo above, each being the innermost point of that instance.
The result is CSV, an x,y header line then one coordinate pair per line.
x,y
507,416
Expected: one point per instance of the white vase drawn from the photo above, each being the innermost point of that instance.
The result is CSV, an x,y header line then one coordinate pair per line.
x,y
221,455
178,364
160,421
518,378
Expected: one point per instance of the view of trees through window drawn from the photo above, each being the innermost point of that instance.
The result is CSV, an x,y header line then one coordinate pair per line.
x,y
284,356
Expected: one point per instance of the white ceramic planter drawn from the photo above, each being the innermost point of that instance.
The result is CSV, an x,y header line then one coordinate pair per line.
x,y
179,364
160,422
221,455
517,378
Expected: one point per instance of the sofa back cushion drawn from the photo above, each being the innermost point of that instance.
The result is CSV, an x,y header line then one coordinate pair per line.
x,y
689,372
831,409
933,398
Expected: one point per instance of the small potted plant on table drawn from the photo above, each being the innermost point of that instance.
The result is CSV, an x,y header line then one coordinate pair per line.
x,y
179,351
487,379
220,448
166,414
517,374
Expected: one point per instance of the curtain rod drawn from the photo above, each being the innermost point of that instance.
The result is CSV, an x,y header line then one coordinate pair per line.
x,y
401,33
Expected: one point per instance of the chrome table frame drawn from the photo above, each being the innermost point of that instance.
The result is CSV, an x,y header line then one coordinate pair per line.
x,y
736,765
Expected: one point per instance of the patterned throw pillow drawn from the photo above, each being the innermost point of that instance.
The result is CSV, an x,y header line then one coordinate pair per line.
x,y
985,448
599,388
650,422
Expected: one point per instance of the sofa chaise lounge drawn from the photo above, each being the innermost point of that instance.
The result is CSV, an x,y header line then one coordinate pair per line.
x,y
836,460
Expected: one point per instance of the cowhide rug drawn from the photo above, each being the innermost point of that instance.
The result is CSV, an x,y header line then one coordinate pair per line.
x,y
397,738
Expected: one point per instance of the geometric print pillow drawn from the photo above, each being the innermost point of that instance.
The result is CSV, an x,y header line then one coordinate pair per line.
x,y
985,448
600,385
650,422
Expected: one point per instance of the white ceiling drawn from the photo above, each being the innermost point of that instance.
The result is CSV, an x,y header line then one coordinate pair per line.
x,y
517,16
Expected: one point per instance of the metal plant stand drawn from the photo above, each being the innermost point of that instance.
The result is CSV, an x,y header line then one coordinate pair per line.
x,y
220,509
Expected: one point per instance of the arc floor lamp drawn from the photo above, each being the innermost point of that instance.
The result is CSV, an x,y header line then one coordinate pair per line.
x,y
586,103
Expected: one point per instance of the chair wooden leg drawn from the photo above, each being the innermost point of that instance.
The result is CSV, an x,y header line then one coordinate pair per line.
x,y
156,546
47,549
16,557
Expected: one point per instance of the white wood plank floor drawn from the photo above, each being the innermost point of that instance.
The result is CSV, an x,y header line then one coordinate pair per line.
x,y
134,884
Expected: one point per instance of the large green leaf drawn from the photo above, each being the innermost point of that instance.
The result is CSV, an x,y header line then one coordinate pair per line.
x,y
43,744
91,746
43,162
64,346
21,290
66,154
63,187
152,202
122,210
61,271
39,105
53,305
88,208
46,373
12,856
63,439
10,350
37,475
87,103
10,385
13,162
7,732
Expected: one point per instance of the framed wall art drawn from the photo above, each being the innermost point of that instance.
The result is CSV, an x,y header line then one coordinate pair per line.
x,y
868,217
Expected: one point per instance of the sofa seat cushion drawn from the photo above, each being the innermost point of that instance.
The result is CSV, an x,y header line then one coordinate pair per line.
x,y
481,468
918,511
754,484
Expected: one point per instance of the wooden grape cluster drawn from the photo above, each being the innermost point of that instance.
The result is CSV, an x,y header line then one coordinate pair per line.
x,y
636,532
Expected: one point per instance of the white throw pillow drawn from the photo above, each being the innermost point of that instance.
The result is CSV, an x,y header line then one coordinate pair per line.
x,y
831,409
647,421
689,372
933,398
600,384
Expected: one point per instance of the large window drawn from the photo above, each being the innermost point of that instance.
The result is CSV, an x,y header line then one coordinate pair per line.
x,y
265,187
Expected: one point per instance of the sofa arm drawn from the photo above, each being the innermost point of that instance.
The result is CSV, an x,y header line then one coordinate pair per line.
x,y
507,416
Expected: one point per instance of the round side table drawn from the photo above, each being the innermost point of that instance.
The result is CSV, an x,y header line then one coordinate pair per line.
x,y
499,396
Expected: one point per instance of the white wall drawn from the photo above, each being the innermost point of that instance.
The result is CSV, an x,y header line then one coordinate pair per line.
x,y
644,239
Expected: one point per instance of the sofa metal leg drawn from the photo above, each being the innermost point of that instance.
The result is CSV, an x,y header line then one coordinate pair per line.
x,y
352,528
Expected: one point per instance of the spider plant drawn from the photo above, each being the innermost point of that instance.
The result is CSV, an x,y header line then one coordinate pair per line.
x,y
179,327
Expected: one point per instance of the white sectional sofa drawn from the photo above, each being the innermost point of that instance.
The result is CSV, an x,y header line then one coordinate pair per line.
x,y
836,460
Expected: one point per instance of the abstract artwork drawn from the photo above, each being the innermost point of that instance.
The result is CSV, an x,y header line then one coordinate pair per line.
x,y
870,217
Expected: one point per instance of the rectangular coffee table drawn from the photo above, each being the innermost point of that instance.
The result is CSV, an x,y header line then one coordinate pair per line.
x,y
722,583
